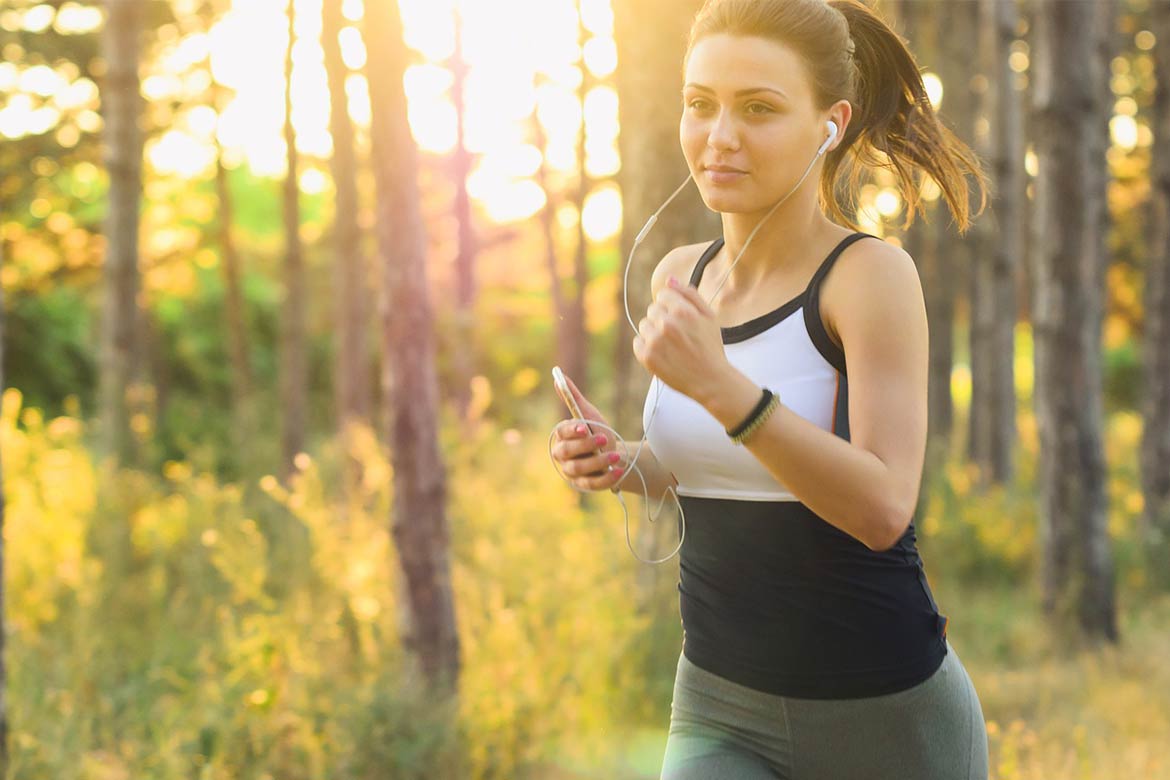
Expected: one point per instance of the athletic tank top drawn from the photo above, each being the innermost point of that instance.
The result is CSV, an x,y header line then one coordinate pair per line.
x,y
772,596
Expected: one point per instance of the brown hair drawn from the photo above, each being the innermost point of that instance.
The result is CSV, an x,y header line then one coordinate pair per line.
x,y
852,54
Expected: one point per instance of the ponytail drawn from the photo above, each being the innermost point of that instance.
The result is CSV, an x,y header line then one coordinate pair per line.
x,y
895,126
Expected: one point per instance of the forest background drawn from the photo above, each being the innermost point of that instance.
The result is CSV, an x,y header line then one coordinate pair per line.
x,y
281,287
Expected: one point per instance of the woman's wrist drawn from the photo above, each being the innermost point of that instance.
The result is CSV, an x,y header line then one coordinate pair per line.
x,y
732,399
767,405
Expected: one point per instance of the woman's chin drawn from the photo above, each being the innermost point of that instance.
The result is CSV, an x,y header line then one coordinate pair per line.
x,y
725,202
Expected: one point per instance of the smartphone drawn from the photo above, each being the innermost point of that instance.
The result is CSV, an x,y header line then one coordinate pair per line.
x,y
562,386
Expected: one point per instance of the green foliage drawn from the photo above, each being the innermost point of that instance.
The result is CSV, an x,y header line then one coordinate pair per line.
x,y
543,589
49,351
398,731
1122,376
176,625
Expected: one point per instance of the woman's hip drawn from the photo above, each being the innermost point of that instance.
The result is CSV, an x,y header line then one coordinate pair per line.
x,y
934,729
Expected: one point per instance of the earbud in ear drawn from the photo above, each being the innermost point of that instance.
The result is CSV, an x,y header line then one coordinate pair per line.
x,y
831,126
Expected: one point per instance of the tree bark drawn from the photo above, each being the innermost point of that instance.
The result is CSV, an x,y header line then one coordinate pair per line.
x,y
574,339
3,601
409,381
294,374
548,230
235,309
1155,446
1077,571
352,391
121,110
234,306
994,291
955,266
924,240
464,349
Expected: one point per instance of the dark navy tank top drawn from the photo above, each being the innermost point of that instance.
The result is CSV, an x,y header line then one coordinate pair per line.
x,y
772,596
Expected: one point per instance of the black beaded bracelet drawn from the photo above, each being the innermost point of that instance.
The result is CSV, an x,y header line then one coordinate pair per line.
x,y
760,407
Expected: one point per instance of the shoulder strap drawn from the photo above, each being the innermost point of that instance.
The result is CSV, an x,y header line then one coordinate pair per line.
x,y
706,257
812,306
827,263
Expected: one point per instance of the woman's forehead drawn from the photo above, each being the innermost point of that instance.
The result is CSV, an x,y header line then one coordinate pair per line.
x,y
730,63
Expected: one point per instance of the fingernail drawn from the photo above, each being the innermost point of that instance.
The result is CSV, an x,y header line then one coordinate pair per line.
x,y
672,281
618,472
600,438
614,457
580,429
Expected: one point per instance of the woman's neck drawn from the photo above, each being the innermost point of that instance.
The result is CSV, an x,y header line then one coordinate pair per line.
x,y
780,247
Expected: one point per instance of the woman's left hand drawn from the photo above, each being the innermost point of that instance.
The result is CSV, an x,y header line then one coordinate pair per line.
x,y
680,342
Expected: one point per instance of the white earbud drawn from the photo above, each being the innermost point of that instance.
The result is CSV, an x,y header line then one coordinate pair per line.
x,y
832,127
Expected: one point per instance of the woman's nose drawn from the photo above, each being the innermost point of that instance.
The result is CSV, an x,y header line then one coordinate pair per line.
x,y
723,133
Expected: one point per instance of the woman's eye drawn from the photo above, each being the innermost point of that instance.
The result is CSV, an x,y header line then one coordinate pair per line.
x,y
699,104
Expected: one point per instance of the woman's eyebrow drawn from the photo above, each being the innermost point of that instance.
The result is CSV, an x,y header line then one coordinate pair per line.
x,y
739,93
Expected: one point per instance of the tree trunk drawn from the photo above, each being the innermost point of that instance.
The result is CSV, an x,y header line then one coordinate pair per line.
x,y
410,384
574,339
1077,560
351,313
121,110
294,375
1155,446
950,266
924,240
234,308
1009,176
548,230
993,293
464,349
3,602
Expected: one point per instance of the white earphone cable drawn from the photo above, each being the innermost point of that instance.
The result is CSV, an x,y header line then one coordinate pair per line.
x,y
632,465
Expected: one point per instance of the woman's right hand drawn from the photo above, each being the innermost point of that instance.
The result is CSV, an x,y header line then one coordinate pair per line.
x,y
590,461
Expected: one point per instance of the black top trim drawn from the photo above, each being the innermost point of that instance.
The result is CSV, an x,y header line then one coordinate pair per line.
x,y
812,309
745,330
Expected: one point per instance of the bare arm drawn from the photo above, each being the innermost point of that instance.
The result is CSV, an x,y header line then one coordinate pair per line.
x,y
867,486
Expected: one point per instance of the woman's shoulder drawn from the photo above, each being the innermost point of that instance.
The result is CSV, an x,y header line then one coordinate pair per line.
x,y
679,262
861,269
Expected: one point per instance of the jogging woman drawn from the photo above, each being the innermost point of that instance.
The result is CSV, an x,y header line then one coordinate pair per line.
x,y
789,412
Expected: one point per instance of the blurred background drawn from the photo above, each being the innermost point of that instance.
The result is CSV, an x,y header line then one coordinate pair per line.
x,y
282,285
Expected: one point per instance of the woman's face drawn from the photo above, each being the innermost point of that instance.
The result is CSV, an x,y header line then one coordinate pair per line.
x,y
749,125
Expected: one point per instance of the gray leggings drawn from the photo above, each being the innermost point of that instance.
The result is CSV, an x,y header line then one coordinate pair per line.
x,y
721,730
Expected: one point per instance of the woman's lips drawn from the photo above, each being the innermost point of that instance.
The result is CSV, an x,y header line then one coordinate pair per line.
x,y
723,175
